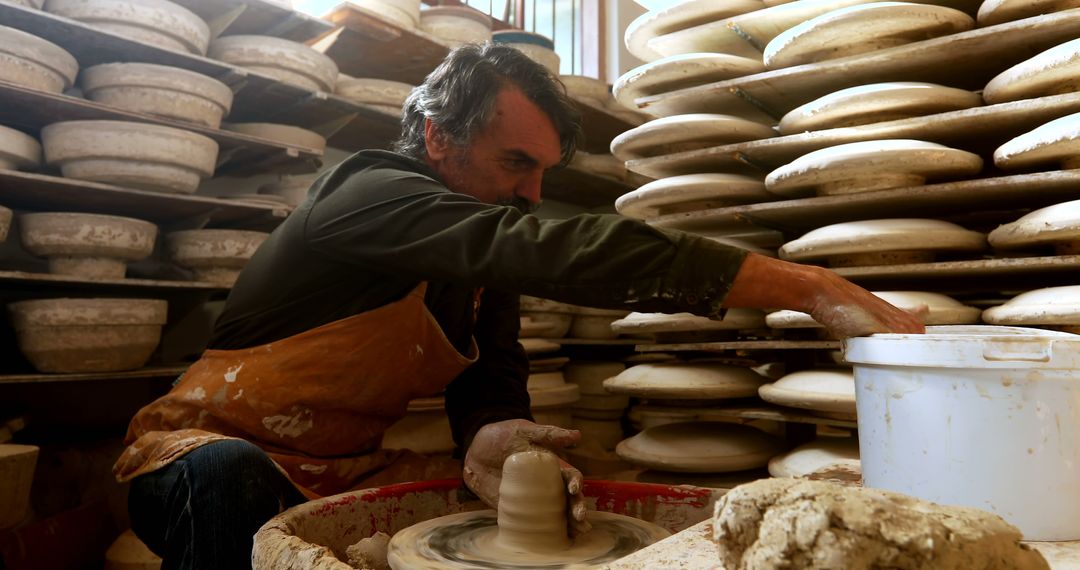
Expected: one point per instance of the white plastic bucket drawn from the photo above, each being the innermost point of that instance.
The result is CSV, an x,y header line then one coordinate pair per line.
x,y
978,416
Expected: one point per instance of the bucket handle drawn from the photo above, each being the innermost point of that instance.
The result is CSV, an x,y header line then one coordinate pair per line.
x,y
1015,352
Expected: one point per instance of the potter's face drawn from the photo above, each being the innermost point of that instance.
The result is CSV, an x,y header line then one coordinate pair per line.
x,y
505,162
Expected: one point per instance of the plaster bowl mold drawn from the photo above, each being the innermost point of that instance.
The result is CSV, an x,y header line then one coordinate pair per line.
x,y
1057,225
539,305
1052,72
456,25
404,13
292,190
159,90
215,256
30,3
156,22
137,155
876,103
17,463
1052,306
553,325
686,132
679,72
882,242
1055,143
686,381
870,165
588,89
829,393
32,62
386,95
993,12
700,447
425,429
285,60
18,150
5,223
589,375
287,134
88,335
653,24
651,323
691,192
539,48
90,246
825,458
860,29
943,310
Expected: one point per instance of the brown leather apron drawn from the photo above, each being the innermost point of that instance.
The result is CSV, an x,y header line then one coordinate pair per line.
x,y
318,402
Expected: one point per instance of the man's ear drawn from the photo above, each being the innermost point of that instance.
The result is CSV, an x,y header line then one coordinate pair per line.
x,y
435,141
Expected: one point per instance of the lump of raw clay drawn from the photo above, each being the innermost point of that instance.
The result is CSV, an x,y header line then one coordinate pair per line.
x,y
370,553
784,523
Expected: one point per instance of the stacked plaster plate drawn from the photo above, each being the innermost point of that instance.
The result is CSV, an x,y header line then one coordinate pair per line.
x,y
691,192
681,326
18,151
827,458
382,94
88,335
700,447
539,48
680,133
292,189
642,33
404,13
942,310
829,393
215,256
882,242
686,381
137,155
287,134
598,412
679,72
158,90
875,103
1054,71
1054,307
1056,143
870,165
551,397
285,60
456,25
155,22
425,429
32,62
595,324
993,12
90,246
1057,226
860,29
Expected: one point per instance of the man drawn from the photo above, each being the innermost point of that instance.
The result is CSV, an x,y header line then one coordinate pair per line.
x,y
399,278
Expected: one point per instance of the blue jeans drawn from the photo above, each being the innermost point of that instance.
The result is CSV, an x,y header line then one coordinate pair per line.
x,y
201,511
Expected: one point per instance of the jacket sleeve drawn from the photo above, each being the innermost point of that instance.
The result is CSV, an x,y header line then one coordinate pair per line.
x,y
403,223
495,387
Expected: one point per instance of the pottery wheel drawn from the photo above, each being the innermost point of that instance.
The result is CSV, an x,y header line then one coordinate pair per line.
x,y
468,540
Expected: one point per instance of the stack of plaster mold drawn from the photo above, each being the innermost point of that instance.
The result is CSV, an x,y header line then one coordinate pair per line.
x,y
552,398
585,322
828,393
694,452
456,26
159,90
549,392
214,256
382,94
686,327
598,415
88,335
403,13
88,246
156,22
30,61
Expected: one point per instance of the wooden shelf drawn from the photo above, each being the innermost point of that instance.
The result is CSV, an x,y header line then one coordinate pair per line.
x,y
795,217
741,345
144,373
980,130
780,414
30,109
42,281
594,341
967,60
258,17
600,127
27,191
583,188
980,275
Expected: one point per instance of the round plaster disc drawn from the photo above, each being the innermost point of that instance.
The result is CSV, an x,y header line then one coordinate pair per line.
x,y
900,234
1049,306
831,391
1054,71
686,380
700,447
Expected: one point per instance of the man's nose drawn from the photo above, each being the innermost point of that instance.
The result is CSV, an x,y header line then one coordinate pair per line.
x,y
530,187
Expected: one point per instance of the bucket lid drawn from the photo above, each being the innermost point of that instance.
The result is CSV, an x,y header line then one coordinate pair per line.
x,y
968,346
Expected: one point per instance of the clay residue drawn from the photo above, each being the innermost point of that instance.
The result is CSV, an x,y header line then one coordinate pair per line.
x,y
788,524
370,553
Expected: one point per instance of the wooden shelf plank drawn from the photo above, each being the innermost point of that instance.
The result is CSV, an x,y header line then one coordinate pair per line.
x,y
260,17
28,191
583,188
48,280
594,341
980,275
798,216
967,60
144,373
600,127
741,345
779,414
30,109
980,130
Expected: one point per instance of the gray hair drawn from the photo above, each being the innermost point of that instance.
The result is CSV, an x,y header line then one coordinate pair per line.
x,y
459,96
